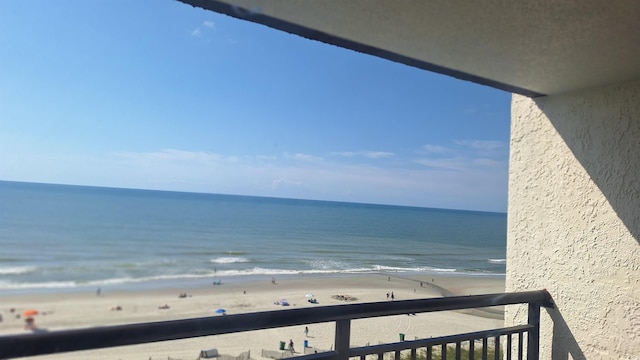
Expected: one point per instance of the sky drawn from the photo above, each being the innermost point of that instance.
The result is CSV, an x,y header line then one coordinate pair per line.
x,y
156,94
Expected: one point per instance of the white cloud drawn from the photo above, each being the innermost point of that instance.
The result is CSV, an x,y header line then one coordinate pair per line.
x,y
465,164
367,154
435,149
344,153
489,163
377,154
445,182
206,26
278,184
466,156
481,144
174,155
448,164
299,175
304,157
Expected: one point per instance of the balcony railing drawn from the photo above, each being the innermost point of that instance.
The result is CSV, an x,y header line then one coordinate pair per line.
x,y
120,335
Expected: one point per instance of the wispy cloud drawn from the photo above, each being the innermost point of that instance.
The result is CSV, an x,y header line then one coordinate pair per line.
x,y
304,157
465,155
448,164
344,153
436,182
206,26
435,149
174,155
484,148
366,154
481,144
279,184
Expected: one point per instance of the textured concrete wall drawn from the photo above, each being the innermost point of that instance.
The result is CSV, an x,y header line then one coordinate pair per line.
x,y
574,219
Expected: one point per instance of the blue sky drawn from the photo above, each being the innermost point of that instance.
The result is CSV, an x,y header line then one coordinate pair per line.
x,y
161,95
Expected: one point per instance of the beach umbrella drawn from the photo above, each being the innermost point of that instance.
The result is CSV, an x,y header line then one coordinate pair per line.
x,y
30,312
221,311
310,296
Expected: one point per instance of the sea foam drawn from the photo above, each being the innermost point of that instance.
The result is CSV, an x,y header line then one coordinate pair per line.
x,y
229,260
17,270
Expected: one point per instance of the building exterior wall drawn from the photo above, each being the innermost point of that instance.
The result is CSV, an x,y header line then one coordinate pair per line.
x,y
574,219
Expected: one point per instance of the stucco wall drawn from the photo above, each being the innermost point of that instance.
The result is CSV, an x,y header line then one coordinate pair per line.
x,y
574,219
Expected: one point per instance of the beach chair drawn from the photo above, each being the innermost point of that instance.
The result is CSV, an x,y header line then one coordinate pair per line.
x,y
208,354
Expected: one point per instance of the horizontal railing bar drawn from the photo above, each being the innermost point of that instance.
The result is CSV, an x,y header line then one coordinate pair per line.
x,y
41,343
414,344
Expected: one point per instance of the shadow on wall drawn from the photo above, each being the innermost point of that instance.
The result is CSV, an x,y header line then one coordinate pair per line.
x,y
564,343
604,137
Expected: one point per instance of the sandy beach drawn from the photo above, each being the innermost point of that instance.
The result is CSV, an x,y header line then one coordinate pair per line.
x,y
72,310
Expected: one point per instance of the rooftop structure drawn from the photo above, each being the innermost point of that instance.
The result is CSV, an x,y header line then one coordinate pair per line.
x,y
530,48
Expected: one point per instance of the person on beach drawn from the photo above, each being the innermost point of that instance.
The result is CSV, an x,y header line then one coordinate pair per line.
x,y
30,324
291,346
392,296
306,331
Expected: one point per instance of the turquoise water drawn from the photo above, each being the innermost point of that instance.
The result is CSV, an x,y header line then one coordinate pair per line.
x,y
55,237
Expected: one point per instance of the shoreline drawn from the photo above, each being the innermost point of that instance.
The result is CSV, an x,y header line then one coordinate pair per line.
x,y
195,282
81,309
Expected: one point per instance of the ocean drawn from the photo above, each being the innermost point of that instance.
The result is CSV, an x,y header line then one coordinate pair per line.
x,y
61,237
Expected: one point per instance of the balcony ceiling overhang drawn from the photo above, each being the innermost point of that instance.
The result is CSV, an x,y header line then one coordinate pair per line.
x,y
529,47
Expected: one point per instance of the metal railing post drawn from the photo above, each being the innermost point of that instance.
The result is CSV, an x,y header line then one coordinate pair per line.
x,y
533,339
343,335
